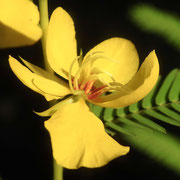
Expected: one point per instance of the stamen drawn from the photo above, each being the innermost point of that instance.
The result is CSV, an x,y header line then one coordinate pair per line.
x,y
84,65
97,89
117,88
87,75
86,68
80,57
70,74
88,87
94,95
98,71
92,77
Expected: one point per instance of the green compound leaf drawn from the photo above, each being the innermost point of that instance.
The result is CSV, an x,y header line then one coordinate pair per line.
x,y
162,103
154,20
139,122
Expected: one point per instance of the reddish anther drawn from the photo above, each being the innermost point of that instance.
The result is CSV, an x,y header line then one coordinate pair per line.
x,y
88,86
95,95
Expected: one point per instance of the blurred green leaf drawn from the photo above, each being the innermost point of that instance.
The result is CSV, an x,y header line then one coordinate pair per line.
x,y
154,20
138,122
164,148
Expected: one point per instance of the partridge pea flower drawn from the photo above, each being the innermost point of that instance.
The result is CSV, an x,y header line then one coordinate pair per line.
x,y
108,76
18,23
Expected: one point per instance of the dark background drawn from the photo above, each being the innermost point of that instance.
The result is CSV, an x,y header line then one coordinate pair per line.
x,y
25,149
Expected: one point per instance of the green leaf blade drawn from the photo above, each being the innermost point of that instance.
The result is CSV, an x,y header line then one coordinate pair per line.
x,y
161,97
175,89
169,112
176,107
97,110
147,102
109,114
147,122
133,108
121,112
161,117
130,122
118,128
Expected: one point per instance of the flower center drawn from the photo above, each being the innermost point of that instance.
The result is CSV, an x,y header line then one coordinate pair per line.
x,y
90,82
89,90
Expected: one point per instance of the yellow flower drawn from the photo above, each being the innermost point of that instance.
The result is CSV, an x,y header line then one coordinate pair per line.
x,y
18,23
78,136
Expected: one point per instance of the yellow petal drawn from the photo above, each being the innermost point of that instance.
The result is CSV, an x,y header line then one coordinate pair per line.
x,y
18,23
41,72
79,139
125,60
48,88
61,42
51,87
137,88
35,69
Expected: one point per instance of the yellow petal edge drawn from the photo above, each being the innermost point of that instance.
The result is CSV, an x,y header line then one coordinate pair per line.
x,y
61,42
137,88
79,139
123,58
48,88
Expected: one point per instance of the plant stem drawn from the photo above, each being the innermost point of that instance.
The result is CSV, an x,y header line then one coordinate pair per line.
x,y
58,171
44,20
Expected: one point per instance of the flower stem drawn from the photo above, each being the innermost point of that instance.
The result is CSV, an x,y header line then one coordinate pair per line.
x,y
44,21
58,171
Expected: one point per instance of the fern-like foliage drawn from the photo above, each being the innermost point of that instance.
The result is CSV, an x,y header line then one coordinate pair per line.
x,y
162,104
140,122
